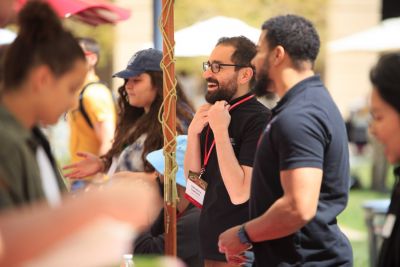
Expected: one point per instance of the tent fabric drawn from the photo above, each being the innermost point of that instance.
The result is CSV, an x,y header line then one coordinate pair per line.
x,y
384,37
200,38
93,12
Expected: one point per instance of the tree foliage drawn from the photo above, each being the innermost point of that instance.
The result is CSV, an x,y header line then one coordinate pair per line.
x,y
253,12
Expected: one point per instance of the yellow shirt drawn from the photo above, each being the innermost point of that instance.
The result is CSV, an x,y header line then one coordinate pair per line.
x,y
99,106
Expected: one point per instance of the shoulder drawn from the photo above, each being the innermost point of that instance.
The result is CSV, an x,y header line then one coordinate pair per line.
x,y
292,123
10,143
15,157
255,106
300,130
96,89
99,96
252,111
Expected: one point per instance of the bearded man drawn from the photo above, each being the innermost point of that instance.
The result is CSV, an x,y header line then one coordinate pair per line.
x,y
222,140
300,180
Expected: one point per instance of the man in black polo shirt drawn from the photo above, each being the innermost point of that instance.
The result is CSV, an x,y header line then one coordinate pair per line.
x,y
301,170
222,140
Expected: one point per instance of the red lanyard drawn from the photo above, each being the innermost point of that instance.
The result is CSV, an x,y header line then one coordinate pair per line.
x,y
208,153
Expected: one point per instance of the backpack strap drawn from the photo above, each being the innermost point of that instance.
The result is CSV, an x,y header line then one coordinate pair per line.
x,y
82,107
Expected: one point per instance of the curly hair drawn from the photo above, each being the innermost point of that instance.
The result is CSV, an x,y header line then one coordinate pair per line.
x,y
296,35
133,122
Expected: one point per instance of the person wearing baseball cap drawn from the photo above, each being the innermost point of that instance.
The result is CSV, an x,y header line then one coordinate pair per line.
x,y
138,130
142,61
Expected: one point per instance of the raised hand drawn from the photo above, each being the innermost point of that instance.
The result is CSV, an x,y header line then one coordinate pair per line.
x,y
89,165
219,117
200,120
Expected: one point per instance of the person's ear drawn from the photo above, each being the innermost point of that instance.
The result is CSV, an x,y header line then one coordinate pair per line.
x,y
42,78
279,54
92,59
245,75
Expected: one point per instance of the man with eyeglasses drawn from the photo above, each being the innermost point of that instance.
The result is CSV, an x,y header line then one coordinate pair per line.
x,y
222,140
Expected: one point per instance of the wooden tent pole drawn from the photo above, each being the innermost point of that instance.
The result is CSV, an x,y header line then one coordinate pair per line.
x,y
169,126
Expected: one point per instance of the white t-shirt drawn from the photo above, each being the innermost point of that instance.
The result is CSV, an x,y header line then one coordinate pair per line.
x,y
48,177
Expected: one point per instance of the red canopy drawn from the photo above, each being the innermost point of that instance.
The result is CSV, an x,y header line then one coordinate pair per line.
x,y
93,12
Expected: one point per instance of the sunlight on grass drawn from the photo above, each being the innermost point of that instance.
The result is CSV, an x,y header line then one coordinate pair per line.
x,y
353,219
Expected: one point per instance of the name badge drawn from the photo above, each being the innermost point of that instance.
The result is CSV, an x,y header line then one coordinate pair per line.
x,y
195,189
388,226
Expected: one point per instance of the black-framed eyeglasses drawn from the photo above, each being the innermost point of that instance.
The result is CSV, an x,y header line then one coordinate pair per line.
x,y
216,67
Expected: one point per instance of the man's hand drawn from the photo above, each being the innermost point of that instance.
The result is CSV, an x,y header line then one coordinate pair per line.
x,y
200,120
230,244
219,117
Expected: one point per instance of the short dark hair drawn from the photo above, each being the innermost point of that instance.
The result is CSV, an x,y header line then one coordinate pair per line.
x,y
385,77
296,35
245,50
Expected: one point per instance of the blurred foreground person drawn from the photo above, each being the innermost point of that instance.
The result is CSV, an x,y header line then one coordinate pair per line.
x,y
385,126
89,229
36,92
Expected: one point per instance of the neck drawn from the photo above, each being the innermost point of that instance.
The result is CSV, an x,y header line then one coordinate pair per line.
x,y
241,91
19,104
289,78
91,74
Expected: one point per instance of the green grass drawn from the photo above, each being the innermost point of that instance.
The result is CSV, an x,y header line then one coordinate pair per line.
x,y
353,216
353,219
360,253
149,261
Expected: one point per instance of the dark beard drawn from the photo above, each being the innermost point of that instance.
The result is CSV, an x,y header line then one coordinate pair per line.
x,y
222,93
260,88
263,82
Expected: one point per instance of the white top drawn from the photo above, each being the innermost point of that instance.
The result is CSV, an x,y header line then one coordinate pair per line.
x,y
48,177
130,158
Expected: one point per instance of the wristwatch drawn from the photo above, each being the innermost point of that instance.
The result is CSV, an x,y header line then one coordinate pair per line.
x,y
243,236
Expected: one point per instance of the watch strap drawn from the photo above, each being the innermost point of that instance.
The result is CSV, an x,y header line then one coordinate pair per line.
x,y
243,236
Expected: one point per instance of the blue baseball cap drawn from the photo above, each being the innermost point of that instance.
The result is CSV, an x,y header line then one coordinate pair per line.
x,y
141,61
156,158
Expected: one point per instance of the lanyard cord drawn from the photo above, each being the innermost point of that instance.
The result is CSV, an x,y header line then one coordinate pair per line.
x,y
208,153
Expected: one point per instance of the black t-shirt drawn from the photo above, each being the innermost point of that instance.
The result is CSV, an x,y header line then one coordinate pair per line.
x,y
305,130
389,254
218,213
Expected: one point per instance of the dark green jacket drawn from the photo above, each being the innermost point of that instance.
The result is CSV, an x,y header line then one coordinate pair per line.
x,y
20,180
